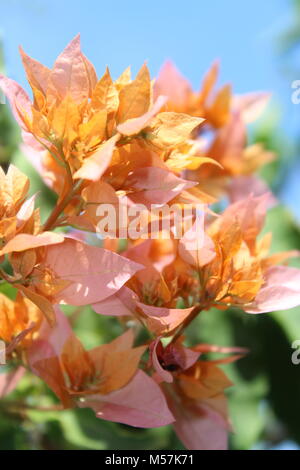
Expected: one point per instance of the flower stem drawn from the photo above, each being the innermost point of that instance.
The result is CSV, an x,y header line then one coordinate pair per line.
x,y
195,312
50,223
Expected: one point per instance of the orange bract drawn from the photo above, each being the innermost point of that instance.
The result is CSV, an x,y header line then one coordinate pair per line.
x,y
19,321
222,137
76,116
77,373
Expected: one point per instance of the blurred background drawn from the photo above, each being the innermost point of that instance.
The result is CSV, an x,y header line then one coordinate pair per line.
x,y
258,44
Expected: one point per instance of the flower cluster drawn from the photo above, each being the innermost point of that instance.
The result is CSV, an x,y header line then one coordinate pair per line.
x,y
98,141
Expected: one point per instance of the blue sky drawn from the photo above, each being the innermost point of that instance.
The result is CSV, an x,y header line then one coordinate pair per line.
x,y
191,32
243,34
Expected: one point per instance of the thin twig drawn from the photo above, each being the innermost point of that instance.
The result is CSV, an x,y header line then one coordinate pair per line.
x,y
25,406
195,312
50,223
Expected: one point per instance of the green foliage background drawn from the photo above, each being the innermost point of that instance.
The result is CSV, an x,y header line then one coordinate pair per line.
x,y
265,401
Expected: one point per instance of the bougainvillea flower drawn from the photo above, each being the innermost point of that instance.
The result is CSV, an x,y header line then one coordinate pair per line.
x,y
215,107
241,186
82,122
101,370
14,187
280,291
145,184
76,274
195,394
183,99
155,185
141,403
105,378
241,273
158,320
229,148
19,221
201,422
92,273
225,119
227,266
147,295
160,301
20,320
172,358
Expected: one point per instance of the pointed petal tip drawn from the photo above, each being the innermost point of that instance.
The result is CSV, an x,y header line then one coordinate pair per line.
x,y
74,44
